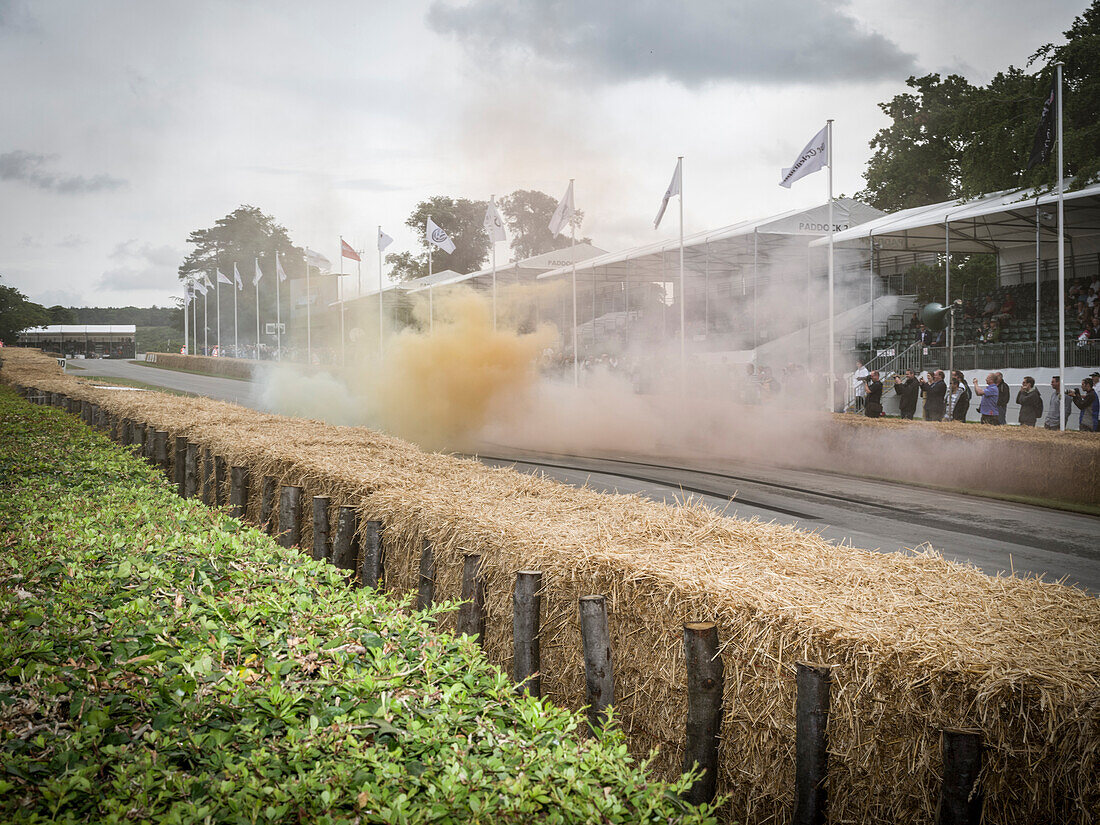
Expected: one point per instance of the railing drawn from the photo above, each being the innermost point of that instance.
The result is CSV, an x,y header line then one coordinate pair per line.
x,y
885,364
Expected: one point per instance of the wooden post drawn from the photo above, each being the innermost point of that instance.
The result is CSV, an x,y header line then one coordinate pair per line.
x,y
371,573
191,471
705,683
526,617
238,492
219,480
342,552
150,443
85,409
599,679
137,437
160,449
208,477
811,770
320,527
960,802
180,465
471,613
97,420
425,593
290,516
59,399
125,433
267,504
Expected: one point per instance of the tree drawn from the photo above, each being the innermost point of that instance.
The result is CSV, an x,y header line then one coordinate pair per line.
x,y
18,314
527,213
61,315
460,218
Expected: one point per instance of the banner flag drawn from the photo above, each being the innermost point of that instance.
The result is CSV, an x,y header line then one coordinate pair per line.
x,y
347,251
200,287
384,240
259,273
1044,135
222,277
206,280
316,260
279,268
493,224
563,213
237,276
672,191
439,237
810,160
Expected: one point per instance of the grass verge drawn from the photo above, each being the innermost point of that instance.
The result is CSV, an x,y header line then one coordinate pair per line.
x,y
164,663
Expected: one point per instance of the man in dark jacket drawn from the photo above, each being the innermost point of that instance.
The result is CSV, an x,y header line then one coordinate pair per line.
x,y
935,393
908,389
1004,393
873,406
1030,401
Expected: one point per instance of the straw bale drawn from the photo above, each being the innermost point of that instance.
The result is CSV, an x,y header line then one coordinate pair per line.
x,y
228,367
919,642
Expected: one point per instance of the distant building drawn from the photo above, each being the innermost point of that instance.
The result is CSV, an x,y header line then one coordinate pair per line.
x,y
83,340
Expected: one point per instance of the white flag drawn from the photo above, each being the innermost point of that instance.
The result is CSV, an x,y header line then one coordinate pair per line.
x,y
439,237
494,226
259,273
673,190
206,281
384,240
237,276
564,213
201,287
279,268
223,278
315,259
810,160
188,294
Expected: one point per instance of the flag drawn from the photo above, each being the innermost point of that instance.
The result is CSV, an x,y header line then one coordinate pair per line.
x,y
384,240
259,273
347,251
188,293
201,287
1044,135
439,237
673,189
237,276
317,260
494,226
810,159
564,212
223,278
279,268
206,281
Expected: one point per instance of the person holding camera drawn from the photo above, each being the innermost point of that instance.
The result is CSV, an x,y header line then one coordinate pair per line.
x,y
935,392
1086,401
990,394
908,390
872,407
1030,401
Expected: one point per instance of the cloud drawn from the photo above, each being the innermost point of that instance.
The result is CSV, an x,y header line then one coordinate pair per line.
x,y
142,267
780,41
26,167
368,184
72,241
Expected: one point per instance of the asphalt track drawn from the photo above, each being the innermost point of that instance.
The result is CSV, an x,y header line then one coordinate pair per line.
x,y
996,536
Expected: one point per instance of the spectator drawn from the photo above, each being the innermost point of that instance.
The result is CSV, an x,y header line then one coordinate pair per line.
x,y
956,397
994,335
1086,401
940,339
1030,401
1004,395
859,385
963,406
924,336
908,390
1054,408
935,390
873,407
989,394
1007,309
991,306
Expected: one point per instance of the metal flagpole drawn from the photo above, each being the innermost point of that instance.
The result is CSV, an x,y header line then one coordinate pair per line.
x,y
494,286
683,290
236,289
218,301
1061,259
309,303
205,323
278,314
573,255
187,298
431,306
946,261
256,283
195,322
832,331
1038,249
340,292
381,344
755,278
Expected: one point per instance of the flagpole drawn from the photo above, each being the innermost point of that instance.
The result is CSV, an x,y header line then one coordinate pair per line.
x,y
381,344
236,289
340,294
195,322
832,331
573,255
431,306
683,291
492,201
309,302
278,313
218,301
1061,261
256,283
186,330
205,323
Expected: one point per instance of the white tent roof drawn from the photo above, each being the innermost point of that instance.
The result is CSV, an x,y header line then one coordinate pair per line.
x,y
82,329
534,265
729,245
984,224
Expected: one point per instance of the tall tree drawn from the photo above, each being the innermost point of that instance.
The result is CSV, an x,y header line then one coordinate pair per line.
x,y
460,218
17,313
527,213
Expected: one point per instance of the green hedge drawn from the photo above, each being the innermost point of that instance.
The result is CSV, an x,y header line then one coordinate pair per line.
x,y
163,663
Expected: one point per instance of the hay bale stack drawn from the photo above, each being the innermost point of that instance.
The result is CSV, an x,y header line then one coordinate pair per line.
x,y
919,643
228,367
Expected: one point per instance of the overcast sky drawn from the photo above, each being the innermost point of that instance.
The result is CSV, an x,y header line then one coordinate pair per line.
x,y
129,124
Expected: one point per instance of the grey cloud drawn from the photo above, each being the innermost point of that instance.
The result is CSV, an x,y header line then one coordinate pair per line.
x,y
142,266
28,241
72,241
368,184
779,41
26,167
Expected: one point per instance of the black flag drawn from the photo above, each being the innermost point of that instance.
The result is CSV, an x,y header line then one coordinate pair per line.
x,y
1044,135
